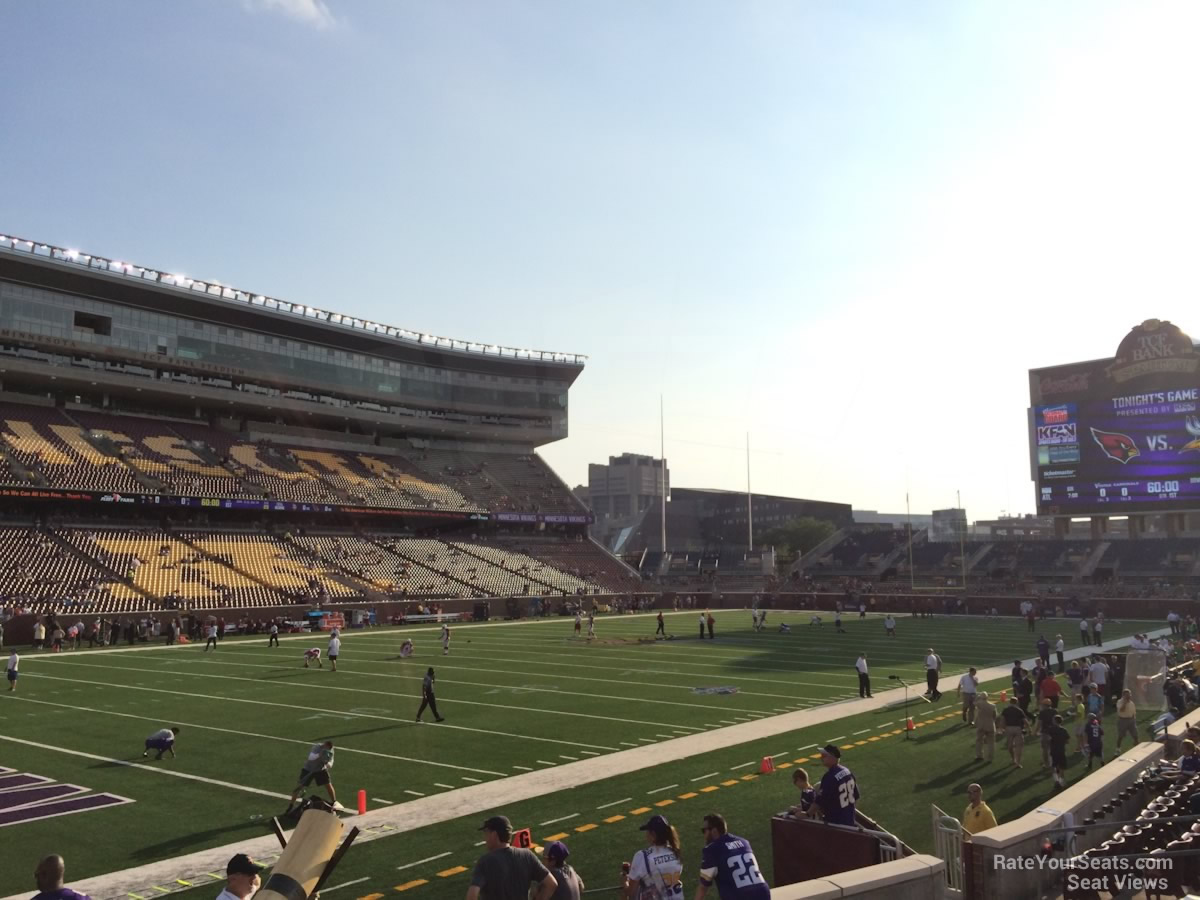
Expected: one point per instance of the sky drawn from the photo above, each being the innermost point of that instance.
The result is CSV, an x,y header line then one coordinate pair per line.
x,y
846,229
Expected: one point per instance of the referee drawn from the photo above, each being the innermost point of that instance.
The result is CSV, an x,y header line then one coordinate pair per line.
x,y
427,698
933,670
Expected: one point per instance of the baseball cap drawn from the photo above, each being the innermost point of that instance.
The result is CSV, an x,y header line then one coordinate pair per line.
x,y
656,823
557,850
498,824
831,750
241,864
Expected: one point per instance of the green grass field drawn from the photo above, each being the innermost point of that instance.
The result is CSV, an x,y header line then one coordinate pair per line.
x,y
517,697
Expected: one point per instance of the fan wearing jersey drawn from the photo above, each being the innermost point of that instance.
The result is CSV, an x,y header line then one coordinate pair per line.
x,y
728,862
837,793
313,654
656,872
445,640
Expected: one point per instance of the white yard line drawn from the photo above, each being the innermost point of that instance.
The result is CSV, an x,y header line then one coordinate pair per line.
x,y
414,793
661,789
742,765
448,787
614,803
702,777
338,887
559,819
420,861
571,758
469,778
864,731
523,768
546,762
156,769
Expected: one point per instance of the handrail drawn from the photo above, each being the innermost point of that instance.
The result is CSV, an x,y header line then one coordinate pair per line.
x,y
215,289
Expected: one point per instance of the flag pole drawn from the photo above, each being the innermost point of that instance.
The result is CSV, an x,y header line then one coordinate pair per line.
x,y
749,498
662,452
912,586
962,540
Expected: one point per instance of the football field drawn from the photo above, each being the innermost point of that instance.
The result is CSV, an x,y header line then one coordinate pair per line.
x,y
518,698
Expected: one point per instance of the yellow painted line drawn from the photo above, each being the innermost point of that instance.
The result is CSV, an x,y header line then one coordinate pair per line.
x,y
371,897
709,789
730,782
409,885
876,738
666,802
137,897
639,810
184,883
588,827
847,746
749,777
802,759
688,796
612,819
446,873
557,837
859,743
897,731
784,765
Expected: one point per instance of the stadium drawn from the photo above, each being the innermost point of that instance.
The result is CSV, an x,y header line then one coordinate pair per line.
x,y
202,484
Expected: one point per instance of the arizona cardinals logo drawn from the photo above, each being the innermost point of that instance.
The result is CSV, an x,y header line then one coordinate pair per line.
x,y
1192,424
1116,445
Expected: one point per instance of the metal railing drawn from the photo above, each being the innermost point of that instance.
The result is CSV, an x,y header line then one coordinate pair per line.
x,y
216,290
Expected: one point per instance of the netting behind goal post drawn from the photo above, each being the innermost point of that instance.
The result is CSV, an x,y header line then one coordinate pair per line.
x,y
1145,673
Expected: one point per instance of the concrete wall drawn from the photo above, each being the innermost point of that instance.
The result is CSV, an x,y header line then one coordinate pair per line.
x,y
919,877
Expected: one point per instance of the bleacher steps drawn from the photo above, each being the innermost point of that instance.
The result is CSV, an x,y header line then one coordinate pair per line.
x,y
1093,560
110,573
814,555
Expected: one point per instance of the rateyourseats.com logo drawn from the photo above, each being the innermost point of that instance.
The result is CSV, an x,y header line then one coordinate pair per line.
x,y
1112,874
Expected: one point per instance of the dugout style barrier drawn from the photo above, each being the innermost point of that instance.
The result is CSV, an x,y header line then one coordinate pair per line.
x,y
919,877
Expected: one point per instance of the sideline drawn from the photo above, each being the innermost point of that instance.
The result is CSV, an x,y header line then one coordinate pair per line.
x,y
478,798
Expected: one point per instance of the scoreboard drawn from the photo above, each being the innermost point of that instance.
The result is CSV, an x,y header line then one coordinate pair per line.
x,y
1121,435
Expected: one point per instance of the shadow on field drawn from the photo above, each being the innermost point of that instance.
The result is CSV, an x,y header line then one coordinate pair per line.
x,y
184,843
346,734
287,673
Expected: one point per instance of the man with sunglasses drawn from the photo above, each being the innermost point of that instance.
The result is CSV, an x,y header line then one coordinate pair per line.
x,y
728,861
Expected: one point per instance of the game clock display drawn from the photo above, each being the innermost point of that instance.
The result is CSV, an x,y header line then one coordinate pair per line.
x,y
1119,453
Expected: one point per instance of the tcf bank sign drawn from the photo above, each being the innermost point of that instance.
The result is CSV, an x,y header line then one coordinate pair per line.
x,y
1154,348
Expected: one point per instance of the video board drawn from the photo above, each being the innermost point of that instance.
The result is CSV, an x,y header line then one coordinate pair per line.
x,y
1121,435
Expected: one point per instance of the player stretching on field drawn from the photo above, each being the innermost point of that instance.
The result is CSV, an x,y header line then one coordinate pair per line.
x,y
313,655
445,640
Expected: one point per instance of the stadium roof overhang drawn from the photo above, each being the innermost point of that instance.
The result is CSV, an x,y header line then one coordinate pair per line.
x,y
44,266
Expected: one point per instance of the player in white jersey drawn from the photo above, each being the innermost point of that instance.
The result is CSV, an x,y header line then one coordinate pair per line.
x,y
578,622
754,619
406,649
335,644
445,639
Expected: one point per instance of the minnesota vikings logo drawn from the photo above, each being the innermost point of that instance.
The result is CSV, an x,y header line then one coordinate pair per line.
x,y
1192,424
1116,445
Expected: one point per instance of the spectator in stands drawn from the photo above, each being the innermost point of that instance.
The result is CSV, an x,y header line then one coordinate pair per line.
x,y
1189,761
49,875
1098,673
837,794
1015,724
807,794
985,728
1024,694
1059,738
1075,676
656,870
243,876
728,861
506,872
1126,718
570,885
1045,721
978,815
1094,734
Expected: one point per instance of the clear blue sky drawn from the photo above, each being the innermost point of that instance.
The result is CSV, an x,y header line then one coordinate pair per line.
x,y
848,228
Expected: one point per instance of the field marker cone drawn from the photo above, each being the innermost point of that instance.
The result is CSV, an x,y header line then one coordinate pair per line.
x,y
767,767
362,803
908,724
1004,696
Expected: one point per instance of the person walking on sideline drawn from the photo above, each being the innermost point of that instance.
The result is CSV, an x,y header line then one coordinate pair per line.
x,y
968,685
933,670
507,872
1015,724
1043,649
212,638
1084,632
985,728
273,640
711,622
1126,718
661,629
978,816
1059,647
864,678
427,698
12,672
701,626
728,861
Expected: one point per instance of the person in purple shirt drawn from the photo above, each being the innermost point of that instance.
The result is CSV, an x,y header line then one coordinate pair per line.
x,y
728,862
49,877
837,793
